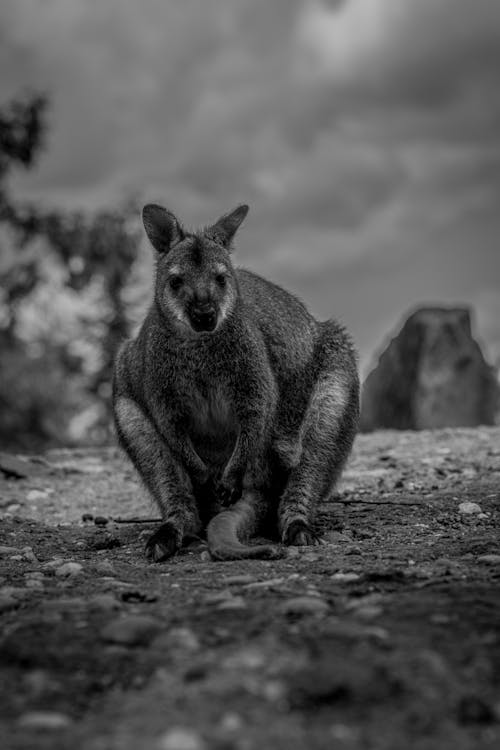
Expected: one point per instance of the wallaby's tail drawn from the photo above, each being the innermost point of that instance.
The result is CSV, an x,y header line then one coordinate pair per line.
x,y
225,529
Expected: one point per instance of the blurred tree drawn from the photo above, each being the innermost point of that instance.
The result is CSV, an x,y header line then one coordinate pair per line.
x,y
56,365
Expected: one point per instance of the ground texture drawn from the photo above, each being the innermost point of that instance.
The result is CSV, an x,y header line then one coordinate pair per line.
x,y
386,636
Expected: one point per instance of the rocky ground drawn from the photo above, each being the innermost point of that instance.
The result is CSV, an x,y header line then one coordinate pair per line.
x,y
386,636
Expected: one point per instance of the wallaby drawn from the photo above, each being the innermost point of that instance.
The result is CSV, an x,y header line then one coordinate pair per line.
x,y
234,404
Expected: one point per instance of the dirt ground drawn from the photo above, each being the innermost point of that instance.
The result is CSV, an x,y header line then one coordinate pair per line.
x,y
386,636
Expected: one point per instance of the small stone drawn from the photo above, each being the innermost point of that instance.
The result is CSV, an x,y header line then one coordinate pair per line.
x,y
236,602
305,605
28,554
5,551
34,495
218,597
13,508
490,559
87,517
345,577
34,583
239,579
104,603
51,564
7,603
132,630
230,723
468,508
181,738
105,568
205,556
368,612
101,521
68,570
268,583
44,720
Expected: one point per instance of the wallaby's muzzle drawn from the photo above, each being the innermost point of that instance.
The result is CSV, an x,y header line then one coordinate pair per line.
x,y
203,317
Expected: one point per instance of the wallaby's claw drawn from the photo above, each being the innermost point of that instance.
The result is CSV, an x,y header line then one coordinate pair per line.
x,y
299,534
164,543
227,495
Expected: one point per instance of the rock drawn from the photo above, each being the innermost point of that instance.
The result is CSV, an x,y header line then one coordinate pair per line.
x,y
105,568
305,605
341,577
181,738
87,517
239,579
235,602
51,564
104,603
28,554
432,374
469,508
268,583
131,630
68,570
13,467
491,559
49,720
230,723
34,495
101,521
7,603
34,583
6,551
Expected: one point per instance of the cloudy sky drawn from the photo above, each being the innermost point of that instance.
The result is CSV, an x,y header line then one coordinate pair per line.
x,y
364,134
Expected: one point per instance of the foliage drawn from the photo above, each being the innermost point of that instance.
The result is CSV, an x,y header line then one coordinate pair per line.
x,y
62,311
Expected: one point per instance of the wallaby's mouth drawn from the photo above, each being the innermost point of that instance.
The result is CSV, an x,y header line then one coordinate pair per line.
x,y
203,321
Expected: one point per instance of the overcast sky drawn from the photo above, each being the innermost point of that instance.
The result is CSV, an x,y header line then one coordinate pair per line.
x,y
364,134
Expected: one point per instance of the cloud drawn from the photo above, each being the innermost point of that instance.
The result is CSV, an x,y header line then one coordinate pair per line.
x,y
364,133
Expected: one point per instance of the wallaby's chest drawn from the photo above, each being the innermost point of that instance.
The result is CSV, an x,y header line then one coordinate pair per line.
x,y
212,415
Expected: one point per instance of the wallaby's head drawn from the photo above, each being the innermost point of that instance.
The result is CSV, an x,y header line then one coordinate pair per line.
x,y
196,286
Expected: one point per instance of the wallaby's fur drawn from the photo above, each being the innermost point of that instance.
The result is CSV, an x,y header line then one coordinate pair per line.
x,y
234,404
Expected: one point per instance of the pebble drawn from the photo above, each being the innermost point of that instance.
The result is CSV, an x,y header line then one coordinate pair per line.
x,y
239,580
68,570
305,605
34,583
87,517
105,568
180,738
7,602
345,577
34,495
132,630
44,720
230,722
469,508
5,551
101,521
55,563
104,603
236,602
28,554
490,559
268,583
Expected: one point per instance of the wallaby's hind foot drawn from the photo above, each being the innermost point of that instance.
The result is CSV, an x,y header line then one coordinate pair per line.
x,y
164,543
299,534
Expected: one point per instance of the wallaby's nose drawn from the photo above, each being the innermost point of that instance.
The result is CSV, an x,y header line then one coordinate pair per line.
x,y
203,316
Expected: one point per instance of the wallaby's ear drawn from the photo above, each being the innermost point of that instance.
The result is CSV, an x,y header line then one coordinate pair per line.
x,y
225,228
161,226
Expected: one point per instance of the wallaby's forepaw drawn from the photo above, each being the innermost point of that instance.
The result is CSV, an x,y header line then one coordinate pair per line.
x,y
228,492
299,534
164,543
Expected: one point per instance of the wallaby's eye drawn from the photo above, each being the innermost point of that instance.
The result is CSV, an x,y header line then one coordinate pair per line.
x,y
175,283
220,279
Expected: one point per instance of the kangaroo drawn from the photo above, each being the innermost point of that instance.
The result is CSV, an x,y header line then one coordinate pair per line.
x,y
234,404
